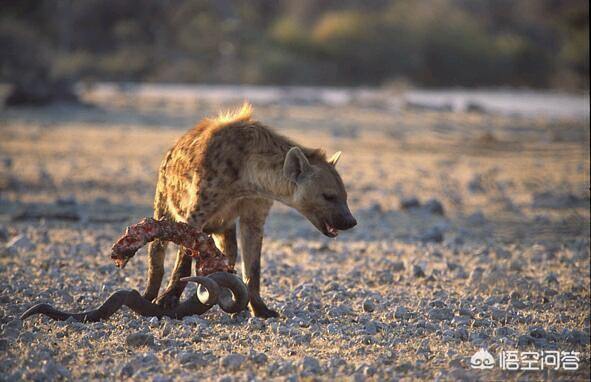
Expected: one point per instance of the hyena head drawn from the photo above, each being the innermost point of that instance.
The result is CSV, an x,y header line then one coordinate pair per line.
x,y
319,192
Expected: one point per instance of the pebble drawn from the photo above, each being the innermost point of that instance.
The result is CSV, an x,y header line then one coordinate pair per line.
x,y
4,235
310,365
551,278
433,234
368,306
518,304
256,323
417,271
401,313
434,207
397,266
525,340
476,219
192,359
371,328
409,203
503,331
259,358
20,243
140,339
577,337
441,314
232,361
126,371
499,315
476,275
54,371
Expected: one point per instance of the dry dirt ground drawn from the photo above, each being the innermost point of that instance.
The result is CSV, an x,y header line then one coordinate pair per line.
x,y
495,255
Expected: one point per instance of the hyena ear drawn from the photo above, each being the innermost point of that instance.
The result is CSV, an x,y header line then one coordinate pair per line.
x,y
295,165
335,158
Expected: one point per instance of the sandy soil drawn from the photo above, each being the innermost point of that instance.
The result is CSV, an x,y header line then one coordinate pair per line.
x,y
496,256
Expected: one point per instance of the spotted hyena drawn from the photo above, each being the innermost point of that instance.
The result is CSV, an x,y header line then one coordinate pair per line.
x,y
232,168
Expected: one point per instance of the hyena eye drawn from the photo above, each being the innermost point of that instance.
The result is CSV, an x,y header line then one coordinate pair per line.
x,y
329,198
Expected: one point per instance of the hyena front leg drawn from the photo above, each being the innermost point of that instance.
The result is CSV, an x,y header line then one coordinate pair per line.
x,y
156,254
182,268
252,221
157,248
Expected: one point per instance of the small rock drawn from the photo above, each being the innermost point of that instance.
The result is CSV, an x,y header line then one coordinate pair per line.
x,y
434,207
195,321
397,266
577,337
475,184
518,304
401,312
499,314
55,371
259,358
424,349
526,340
4,233
154,321
192,359
551,278
140,339
462,334
341,310
476,275
336,362
367,370
403,367
408,203
310,365
256,323
516,265
503,332
501,253
166,329
537,332
126,371
417,271
476,219
433,234
233,361
20,243
441,314
371,328
368,306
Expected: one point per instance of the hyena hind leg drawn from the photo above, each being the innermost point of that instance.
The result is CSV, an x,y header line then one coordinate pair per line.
x,y
227,244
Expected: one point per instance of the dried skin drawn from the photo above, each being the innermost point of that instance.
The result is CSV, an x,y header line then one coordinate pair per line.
x,y
199,245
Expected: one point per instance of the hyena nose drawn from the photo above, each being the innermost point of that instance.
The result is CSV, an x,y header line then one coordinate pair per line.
x,y
349,222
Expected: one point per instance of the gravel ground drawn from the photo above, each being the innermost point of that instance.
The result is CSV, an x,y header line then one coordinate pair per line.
x,y
473,233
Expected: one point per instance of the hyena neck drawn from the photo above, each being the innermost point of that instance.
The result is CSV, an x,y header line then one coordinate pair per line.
x,y
269,181
266,175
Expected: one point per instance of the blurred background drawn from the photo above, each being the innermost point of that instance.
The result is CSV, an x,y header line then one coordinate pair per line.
x,y
49,44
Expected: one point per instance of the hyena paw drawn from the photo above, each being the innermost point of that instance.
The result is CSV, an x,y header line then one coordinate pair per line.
x,y
263,312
